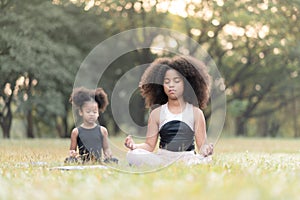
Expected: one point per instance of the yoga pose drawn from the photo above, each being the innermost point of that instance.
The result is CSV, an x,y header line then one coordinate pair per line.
x,y
175,89
90,138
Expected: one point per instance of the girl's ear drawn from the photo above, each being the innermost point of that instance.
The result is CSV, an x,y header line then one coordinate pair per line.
x,y
80,112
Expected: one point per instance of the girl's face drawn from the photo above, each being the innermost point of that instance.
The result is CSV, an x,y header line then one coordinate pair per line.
x,y
89,112
173,84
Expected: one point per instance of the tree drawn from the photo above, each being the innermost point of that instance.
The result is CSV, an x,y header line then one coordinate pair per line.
x,y
36,59
118,16
255,45
251,44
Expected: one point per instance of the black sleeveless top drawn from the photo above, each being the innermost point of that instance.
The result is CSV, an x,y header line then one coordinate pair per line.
x,y
176,130
89,143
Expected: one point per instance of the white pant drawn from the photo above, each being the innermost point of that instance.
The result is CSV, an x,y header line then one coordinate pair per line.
x,y
139,157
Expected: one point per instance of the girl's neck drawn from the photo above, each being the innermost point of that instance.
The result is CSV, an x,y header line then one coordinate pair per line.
x,y
88,126
176,106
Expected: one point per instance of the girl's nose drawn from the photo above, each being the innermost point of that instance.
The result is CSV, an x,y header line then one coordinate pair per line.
x,y
171,84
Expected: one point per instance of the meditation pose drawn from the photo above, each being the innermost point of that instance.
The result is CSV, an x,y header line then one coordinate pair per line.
x,y
175,89
90,138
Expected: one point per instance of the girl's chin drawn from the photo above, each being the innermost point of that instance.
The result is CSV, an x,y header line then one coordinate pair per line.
x,y
90,123
173,97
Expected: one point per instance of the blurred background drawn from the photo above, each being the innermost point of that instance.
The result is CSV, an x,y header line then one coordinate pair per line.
x,y
255,45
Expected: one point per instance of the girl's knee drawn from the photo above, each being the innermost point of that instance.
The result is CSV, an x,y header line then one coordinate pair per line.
x,y
136,154
133,157
139,157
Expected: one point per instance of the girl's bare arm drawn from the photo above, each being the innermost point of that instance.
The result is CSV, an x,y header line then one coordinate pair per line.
x,y
152,134
73,146
200,133
106,150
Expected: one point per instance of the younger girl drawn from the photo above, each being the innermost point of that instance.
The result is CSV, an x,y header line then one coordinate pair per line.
x,y
90,138
179,89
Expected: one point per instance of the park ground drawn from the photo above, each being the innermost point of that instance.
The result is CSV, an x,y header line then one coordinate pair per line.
x,y
242,168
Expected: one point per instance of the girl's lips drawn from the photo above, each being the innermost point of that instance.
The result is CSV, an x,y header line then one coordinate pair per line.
x,y
171,91
91,119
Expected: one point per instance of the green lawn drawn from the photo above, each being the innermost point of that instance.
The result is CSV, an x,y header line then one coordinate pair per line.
x,y
241,169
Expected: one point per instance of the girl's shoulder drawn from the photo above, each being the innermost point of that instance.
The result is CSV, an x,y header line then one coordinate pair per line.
x,y
198,114
156,111
103,130
197,111
75,132
155,114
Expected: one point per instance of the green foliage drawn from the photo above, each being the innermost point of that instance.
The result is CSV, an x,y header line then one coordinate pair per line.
x,y
255,45
39,51
237,107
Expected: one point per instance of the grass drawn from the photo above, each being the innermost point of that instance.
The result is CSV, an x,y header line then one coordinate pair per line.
x,y
241,169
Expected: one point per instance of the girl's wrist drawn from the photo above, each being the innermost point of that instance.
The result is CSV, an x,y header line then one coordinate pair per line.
x,y
72,153
206,149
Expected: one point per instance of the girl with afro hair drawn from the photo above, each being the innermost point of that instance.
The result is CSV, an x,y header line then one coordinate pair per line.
x,y
176,90
90,138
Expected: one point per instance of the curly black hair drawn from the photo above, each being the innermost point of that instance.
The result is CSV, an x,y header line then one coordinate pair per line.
x,y
81,95
195,76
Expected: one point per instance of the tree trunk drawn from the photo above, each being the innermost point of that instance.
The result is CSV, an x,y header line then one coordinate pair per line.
x,y
29,128
240,125
65,123
274,128
6,125
262,126
6,120
6,131
295,114
67,132
59,128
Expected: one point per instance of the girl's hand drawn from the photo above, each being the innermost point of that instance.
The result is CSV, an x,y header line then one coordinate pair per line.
x,y
129,143
73,153
207,149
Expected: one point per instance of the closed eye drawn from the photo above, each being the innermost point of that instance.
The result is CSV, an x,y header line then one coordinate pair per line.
x,y
177,80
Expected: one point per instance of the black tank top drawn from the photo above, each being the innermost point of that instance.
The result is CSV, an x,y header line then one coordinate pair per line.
x,y
90,142
176,131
